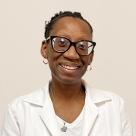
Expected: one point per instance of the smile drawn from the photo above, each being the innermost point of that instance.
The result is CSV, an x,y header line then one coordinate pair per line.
x,y
68,67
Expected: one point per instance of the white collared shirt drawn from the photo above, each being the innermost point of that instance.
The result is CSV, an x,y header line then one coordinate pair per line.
x,y
33,115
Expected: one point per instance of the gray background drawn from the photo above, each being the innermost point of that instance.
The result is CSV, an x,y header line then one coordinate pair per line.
x,y
21,33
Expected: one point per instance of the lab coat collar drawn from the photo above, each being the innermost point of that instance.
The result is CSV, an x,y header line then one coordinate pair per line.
x,y
39,97
36,98
42,99
96,96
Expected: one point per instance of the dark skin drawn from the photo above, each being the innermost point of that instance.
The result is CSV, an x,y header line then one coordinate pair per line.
x,y
68,95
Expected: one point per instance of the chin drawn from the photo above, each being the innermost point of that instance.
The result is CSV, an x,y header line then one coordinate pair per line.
x,y
69,80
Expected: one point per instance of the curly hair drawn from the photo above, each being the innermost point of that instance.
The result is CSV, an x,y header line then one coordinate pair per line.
x,y
57,16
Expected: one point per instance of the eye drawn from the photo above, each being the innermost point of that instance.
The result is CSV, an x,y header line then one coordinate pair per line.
x,y
83,45
62,42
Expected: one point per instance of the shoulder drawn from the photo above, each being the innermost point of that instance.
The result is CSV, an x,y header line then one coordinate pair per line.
x,y
105,98
102,96
35,98
99,93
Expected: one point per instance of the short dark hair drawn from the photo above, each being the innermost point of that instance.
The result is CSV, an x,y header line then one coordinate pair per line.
x,y
61,14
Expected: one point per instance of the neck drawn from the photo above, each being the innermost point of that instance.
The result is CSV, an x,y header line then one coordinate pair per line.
x,y
66,91
68,100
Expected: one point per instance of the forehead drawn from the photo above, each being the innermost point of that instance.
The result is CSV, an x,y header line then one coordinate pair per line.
x,y
71,27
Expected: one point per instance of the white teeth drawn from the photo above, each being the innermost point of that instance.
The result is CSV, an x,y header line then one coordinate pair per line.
x,y
69,67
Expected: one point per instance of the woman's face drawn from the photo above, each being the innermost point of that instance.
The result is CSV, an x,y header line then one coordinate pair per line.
x,y
68,67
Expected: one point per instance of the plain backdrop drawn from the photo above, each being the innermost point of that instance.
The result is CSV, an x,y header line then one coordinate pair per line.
x,y
22,30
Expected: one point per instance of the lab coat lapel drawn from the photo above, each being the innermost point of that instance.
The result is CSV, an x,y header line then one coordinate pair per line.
x,y
90,113
48,118
94,98
46,112
90,117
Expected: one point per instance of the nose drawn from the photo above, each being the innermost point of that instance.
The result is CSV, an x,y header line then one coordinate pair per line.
x,y
71,53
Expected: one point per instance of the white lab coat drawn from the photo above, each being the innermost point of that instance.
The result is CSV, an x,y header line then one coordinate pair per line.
x,y
33,115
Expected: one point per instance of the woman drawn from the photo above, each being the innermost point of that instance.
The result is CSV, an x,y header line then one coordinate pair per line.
x,y
66,105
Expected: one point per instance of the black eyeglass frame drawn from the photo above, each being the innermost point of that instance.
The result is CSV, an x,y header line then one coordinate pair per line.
x,y
71,44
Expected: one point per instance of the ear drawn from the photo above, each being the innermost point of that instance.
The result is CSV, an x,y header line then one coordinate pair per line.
x,y
44,49
91,58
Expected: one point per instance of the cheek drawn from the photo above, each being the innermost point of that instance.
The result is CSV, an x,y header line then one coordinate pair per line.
x,y
52,58
86,60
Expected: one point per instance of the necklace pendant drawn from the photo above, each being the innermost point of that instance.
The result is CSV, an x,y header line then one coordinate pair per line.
x,y
64,128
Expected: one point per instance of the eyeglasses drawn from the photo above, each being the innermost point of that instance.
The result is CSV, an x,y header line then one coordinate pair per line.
x,y
62,44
